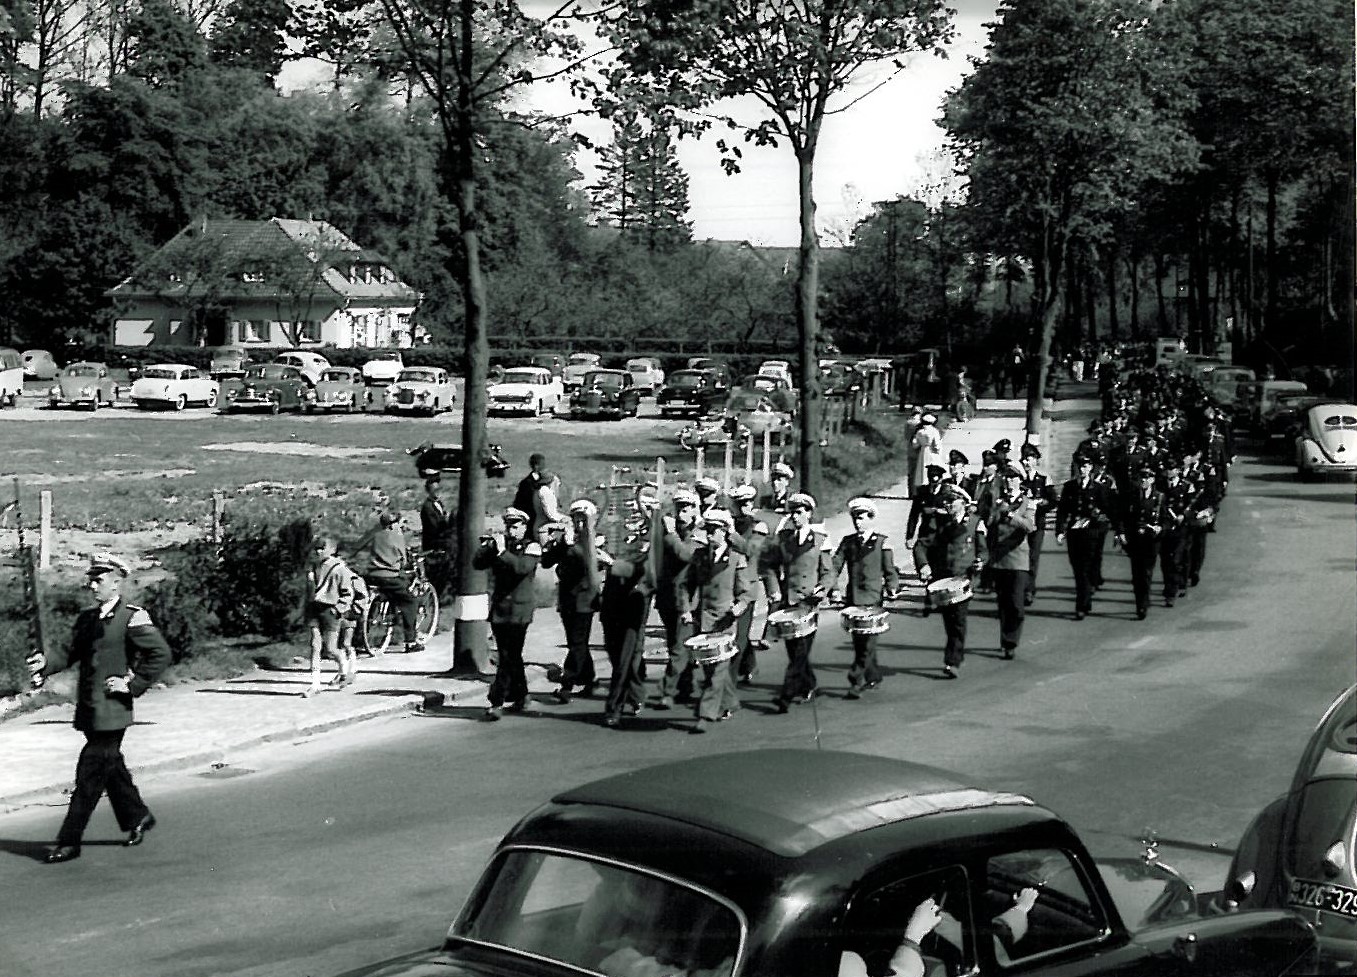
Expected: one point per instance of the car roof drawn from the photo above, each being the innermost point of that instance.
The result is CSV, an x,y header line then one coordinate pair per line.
x,y
168,366
1332,751
786,801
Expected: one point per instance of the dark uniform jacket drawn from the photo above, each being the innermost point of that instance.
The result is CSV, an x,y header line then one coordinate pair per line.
x,y
106,645
1143,515
434,525
927,508
794,570
714,583
1077,501
775,501
577,589
1179,499
1043,493
1009,523
676,552
513,571
952,551
871,568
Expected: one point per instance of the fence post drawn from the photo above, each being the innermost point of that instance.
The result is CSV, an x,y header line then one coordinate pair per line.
x,y
44,529
701,460
749,458
218,506
768,454
659,474
730,463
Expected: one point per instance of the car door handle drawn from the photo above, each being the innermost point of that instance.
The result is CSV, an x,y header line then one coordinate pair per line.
x,y
1185,947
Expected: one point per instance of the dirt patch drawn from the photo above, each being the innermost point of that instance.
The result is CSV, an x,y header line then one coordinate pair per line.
x,y
34,479
301,448
71,547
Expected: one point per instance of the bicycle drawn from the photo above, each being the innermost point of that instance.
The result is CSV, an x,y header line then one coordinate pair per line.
x,y
381,619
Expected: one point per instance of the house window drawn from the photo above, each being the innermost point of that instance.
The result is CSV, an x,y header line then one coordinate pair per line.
x,y
308,332
176,278
252,277
252,330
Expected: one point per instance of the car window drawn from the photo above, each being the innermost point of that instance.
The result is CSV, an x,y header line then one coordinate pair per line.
x,y
82,370
1340,420
875,923
610,380
417,376
685,380
522,376
159,373
601,917
1065,913
337,376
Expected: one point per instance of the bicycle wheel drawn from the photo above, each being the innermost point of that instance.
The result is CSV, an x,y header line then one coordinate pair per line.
x,y
379,623
426,610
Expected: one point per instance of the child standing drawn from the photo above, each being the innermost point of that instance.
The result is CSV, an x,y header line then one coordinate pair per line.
x,y
350,622
331,597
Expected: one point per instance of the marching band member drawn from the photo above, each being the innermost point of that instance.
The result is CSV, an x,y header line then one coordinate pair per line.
x,y
719,582
623,610
1141,523
513,571
751,533
1179,496
1206,479
797,568
678,542
579,575
953,552
872,576
1038,486
956,468
1083,505
779,488
708,494
1011,519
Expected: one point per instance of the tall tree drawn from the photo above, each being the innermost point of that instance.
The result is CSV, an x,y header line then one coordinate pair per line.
x,y
252,35
798,61
642,189
166,45
1075,106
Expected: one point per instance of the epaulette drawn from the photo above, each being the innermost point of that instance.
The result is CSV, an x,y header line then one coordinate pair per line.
x,y
532,549
138,617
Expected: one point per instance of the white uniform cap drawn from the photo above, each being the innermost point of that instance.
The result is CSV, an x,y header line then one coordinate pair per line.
x,y
862,505
584,506
685,497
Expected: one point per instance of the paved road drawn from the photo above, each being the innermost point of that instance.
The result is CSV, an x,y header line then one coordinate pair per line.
x,y
310,858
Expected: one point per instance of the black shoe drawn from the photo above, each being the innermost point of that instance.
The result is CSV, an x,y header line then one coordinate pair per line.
x,y
662,703
781,705
854,692
631,712
873,685
808,696
611,721
699,727
949,671
1142,613
1168,601
725,715
758,644
588,689
491,714
1193,581
61,853
562,696
138,833
1079,615
1009,653
1028,600
520,706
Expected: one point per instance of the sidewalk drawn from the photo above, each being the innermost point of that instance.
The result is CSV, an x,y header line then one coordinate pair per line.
x,y
201,724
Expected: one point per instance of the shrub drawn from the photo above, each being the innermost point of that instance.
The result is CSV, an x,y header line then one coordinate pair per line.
x,y
259,583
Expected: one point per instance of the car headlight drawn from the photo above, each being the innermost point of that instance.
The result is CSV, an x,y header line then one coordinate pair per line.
x,y
55,392
424,395
394,389
87,391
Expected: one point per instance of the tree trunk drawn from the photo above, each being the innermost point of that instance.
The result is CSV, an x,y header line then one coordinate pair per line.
x,y
1113,321
472,612
1089,286
1050,263
1160,273
1133,272
807,319
1270,259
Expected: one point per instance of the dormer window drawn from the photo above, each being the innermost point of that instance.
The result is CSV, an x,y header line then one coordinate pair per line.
x,y
252,277
176,278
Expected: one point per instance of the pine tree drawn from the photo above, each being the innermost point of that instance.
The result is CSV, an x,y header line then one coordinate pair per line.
x,y
642,189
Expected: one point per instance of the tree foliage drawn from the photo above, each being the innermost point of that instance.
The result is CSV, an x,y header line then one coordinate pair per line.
x,y
642,190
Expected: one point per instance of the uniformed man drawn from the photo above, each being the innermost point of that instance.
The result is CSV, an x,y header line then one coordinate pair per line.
x,y
953,552
120,654
513,571
957,464
1010,521
1039,488
1084,506
872,577
1202,516
708,495
580,566
1142,521
437,537
719,581
927,505
751,533
779,488
1002,449
1179,496
623,610
1109,484
678,543
797,568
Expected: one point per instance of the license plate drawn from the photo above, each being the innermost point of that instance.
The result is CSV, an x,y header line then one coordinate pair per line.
x,y
1325,896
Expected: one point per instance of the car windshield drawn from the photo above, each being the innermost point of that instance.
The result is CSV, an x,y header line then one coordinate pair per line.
x,y
82,370
417,376
388,357
600,378
760,383
544,360
159,373
268,371
583,359
521,376
685,379
600,917
639,367
338,376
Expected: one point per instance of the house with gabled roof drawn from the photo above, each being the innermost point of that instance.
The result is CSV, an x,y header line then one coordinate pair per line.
x,y
274,284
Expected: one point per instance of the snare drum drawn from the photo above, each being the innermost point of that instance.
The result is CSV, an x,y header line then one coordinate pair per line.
x,y
947,591
864,620
711,649
792,622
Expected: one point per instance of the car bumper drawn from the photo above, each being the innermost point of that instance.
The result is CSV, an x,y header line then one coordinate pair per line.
x,y
1311,458
415,408
251,403
70,401
590,412
679,407
512,408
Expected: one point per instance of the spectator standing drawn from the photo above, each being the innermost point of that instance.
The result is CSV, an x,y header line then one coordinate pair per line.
x,y
329,599
437,536
538,495
120,654
513,571
579,574
927,443
390,569
1011,519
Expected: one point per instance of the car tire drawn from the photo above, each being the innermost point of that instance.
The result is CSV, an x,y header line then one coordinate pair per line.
x,y
211,398
275,405
97,402
181,402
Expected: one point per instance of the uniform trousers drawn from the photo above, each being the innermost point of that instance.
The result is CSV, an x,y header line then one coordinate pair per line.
x,y
799,679
1141,546
101,769
1009,586
746,659
954,625
1034,541
1171,552
510,684
719,694
1080,546
1099,546
1195,556
677,680
864,670
624,622
578,668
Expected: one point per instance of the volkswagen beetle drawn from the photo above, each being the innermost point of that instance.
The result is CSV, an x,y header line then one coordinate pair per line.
x,y
791,863
85,385
1327,441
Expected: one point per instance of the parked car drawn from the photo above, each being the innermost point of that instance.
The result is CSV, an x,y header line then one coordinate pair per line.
x,y
718,367
1282,424
11,376
1298,853
777,389
1223,384
525,390
271,387
1327,441
791,863
340,388
228,362
83,385
646,374
39,365
554,362
383,368
777,368
175,385
445,459
1257,400
691,392
421,390
606,393
576,367
310,365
